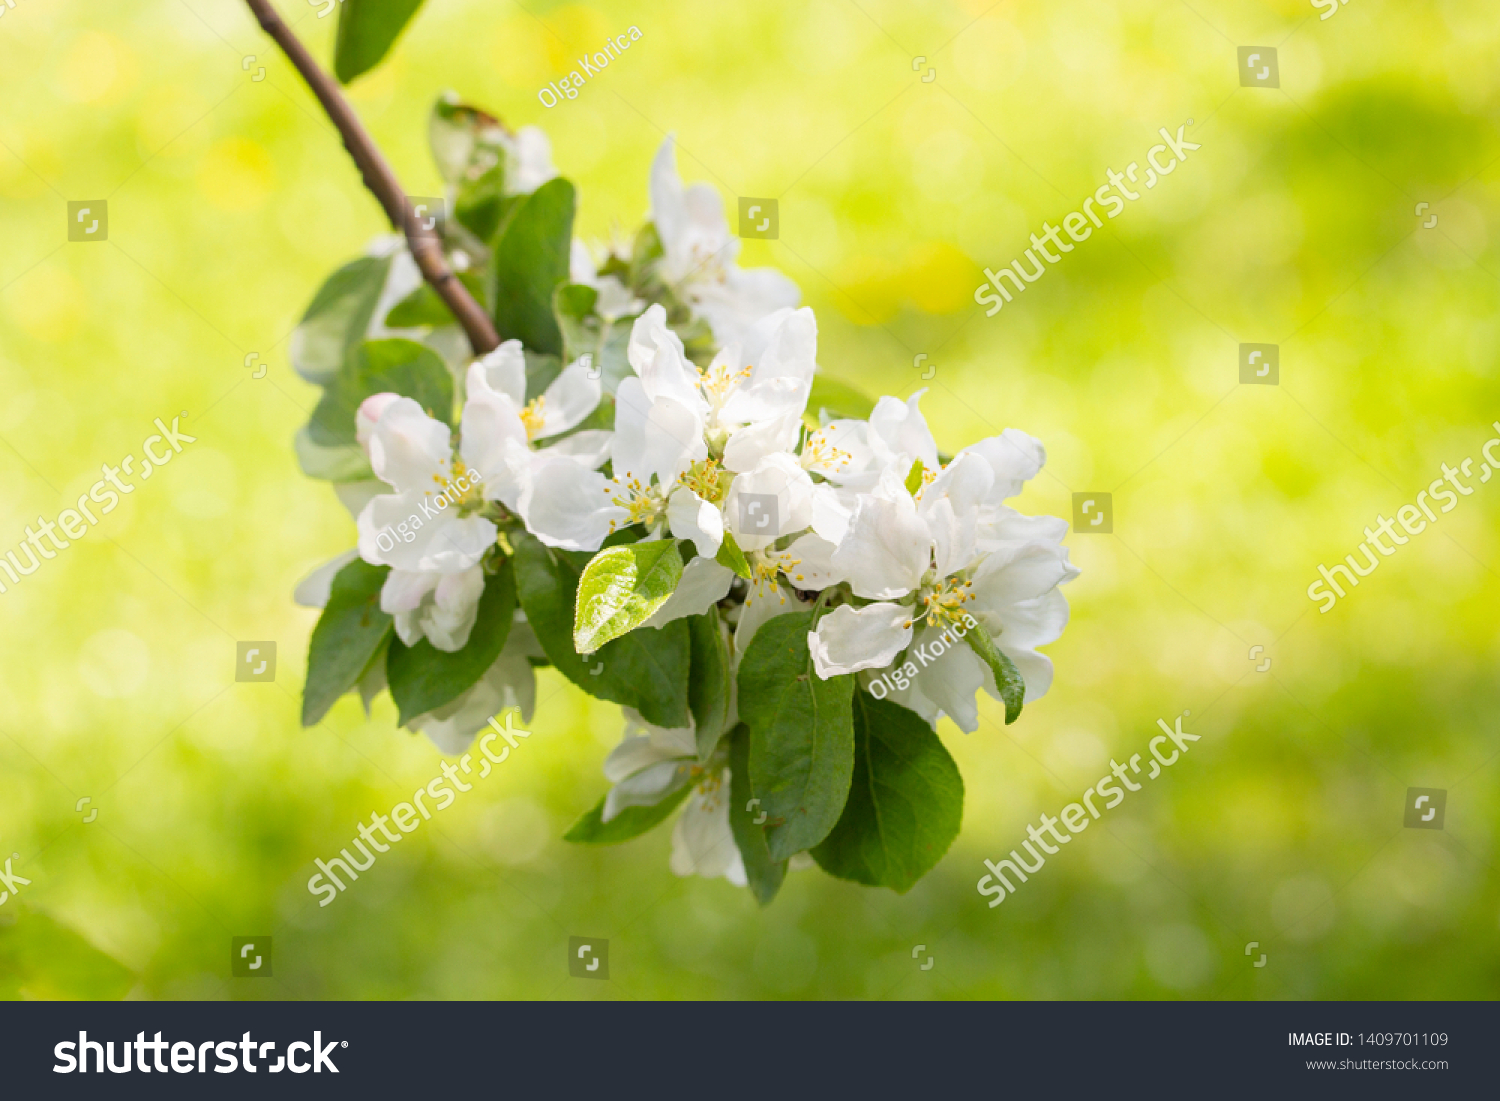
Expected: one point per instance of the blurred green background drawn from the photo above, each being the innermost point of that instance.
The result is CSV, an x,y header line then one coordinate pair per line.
x,y
230,199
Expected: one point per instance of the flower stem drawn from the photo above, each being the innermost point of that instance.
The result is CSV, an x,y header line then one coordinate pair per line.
x,y
382,182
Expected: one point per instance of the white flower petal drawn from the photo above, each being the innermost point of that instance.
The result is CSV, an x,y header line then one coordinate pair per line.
x,y
645,788
950,678
691,517
449,618
408,449
566,505
899,428
778,476
702,842
886,549
504,371
1014,457
661,437
572,396
749,445
590,447
848,640
704,583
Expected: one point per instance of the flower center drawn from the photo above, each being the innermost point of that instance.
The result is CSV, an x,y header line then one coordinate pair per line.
x,y
643,503
708,480
943,601
719,381
532,416
819,451
471,497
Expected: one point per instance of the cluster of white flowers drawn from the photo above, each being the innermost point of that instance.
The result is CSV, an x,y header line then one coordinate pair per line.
x,y
861,518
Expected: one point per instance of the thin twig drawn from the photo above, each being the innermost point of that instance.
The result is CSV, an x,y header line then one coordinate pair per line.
x,y
426,249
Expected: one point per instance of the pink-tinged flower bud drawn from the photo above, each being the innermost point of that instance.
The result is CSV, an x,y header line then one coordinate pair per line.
x,y
368,416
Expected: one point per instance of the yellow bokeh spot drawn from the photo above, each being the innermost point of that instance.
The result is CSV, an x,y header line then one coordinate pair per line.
x,y
236,175
46,304
939,278
90,67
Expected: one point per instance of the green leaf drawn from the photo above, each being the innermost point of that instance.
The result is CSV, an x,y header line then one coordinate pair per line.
x,y
367,31
731,557
378,366
905,805
765,875
620,588
802,738
422,677
339,463
1008,678
346,638
712,681
337,319
914,478
585,333
631,822
837,398
530,258
646,670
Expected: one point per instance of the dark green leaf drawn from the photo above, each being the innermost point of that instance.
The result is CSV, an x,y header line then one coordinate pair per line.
x,y
802,738
646,670
1008,678
367,31
712,680
765,875
837,398
731,557
631,822
422,677
337,319
379,366
620,589
905,804
346,638
530,258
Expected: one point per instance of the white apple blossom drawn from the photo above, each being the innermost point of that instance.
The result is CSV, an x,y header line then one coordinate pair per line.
x,y
927,562
426,531
651,764
699,261
681,432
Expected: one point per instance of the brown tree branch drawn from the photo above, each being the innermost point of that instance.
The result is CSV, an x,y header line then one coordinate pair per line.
x,y
426,248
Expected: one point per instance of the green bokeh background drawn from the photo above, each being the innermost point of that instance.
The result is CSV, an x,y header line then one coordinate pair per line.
x,y
230,199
